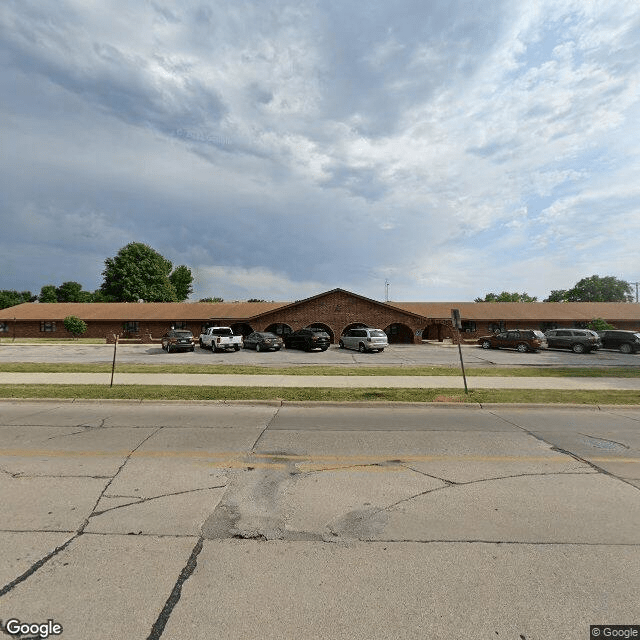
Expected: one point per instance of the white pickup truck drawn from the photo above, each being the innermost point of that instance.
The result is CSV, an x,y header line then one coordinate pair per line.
x,y
220,339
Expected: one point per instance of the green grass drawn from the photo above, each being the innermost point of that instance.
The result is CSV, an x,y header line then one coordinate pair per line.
x,y
157,392
534,372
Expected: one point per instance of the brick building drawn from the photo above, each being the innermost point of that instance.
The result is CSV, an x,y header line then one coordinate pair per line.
x,y
335,311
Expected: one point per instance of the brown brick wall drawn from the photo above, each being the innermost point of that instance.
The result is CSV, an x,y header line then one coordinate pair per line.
x,y
338,310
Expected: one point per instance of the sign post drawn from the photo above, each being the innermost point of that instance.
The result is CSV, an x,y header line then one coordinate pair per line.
x,y
113,366
456,322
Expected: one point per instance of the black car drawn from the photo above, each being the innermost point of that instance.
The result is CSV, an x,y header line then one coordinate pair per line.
x,y
578,340
263,341
624,341
178,340
308,339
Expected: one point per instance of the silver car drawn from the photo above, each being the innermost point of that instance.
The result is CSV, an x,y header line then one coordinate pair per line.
x,y
364,339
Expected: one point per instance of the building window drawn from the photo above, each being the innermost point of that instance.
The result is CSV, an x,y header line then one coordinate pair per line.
x,y
4,327
179,324
47,326
131,327
468,326
497,327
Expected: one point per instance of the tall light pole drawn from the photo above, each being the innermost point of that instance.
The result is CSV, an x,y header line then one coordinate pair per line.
x,y
386,290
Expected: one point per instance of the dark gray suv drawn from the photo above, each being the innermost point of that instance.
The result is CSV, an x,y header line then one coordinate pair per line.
x,y
578,340
624,341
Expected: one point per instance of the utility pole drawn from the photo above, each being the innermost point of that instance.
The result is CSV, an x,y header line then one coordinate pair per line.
x,y
386,290
636,283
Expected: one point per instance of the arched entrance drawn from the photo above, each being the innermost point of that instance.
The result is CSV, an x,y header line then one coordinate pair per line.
x,y
279,328
324,327
399,333
354,325
241,328
436,331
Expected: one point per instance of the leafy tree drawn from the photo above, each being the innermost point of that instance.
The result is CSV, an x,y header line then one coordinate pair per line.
x,y
181,279
598,324
211,300
75,326
11,297
48,293
601,289
69,292
505,296
557,295
138,272
255,300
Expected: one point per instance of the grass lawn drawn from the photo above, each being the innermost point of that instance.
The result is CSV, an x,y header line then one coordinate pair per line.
x,y
151,392
534,372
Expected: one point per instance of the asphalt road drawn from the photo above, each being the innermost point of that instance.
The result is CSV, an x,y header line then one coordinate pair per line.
x,y
199,520
432,353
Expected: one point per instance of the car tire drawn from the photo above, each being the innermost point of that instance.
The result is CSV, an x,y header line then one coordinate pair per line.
x,y
323,348
200,343
258,348
362,348
168,348
625,347
192,349
486,344
522,347
236,347
380,350
578,348
341,344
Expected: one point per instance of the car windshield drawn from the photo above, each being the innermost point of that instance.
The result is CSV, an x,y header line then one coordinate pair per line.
x,y
222,332
183,334
538,334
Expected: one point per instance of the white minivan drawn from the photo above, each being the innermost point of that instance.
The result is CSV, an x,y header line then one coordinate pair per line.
x,y
364,339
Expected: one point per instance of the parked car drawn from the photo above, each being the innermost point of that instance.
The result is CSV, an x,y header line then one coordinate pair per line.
x,y
178,340
578,340
263,341
308,339
220,339
624,341
364,339
520,339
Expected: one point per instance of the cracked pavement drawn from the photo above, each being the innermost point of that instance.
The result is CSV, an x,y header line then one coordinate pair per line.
x,y
189,520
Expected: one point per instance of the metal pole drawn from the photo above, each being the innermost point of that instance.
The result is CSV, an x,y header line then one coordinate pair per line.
x,y
464,375
113,366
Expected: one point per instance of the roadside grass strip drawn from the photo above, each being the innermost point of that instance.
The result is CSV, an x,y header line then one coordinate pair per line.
x,y
306,394
507,372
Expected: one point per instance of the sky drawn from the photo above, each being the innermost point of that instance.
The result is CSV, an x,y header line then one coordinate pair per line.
x,y
281,149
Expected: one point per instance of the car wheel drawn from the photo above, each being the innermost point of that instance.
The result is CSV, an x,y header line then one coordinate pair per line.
x,y
168,348
522,347
486,344
258,348
361,348
236,347
200,343
192,349
380,350
578,348
323,348
341,344
625,348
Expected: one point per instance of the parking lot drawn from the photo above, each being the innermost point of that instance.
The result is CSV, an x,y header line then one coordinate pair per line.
x,y
426,354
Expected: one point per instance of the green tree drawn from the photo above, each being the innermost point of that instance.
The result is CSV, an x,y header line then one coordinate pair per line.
x,y
48,293
69,292
601,289
138,272
598,324
75,326
255,300
505,296
557,295
211,300
181,279
11,297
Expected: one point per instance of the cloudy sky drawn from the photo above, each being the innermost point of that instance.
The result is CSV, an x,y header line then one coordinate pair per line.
x,y
283,148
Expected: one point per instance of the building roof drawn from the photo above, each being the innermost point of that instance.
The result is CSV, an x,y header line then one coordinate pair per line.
x,y
543,311
131,311
239,311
